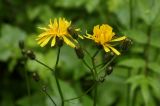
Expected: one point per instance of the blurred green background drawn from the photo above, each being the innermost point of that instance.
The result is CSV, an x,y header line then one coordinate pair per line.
x,y
136,73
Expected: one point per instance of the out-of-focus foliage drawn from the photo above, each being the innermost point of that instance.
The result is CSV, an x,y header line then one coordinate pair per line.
x,y
138,68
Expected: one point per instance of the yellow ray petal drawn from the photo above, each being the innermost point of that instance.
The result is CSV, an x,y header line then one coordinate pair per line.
x,y
45,41
43,34
42,39
89,36
80,36
77,29
68,42
118,39
106,48
55,24
114,50
43,28
53,41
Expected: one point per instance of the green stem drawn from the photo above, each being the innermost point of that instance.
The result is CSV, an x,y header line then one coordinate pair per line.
x,y
131,13
129,73
108,63
44,90
28,85
128,88
95,78
56,77
82,94
44,64
147,48
85,63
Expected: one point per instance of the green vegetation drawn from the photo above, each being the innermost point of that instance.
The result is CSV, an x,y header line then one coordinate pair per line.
x,y
136,73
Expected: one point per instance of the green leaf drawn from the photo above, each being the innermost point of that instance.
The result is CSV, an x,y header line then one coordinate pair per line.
x,y
136,79
145,93
91,4
33,12
121,9
67,90
69,3
48,58
10,36
155,38
36,99
137,36
154,67
145,8
132,63
154,83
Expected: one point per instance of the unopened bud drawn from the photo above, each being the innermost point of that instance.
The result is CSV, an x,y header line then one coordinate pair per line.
x,y
102,79
35,76
126,44
44,88
73,32
30,54
108,56
109,70
79,52
59,41
23,51
21,44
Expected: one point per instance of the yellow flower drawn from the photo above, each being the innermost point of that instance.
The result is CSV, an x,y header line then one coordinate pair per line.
x,y
59,28
103,35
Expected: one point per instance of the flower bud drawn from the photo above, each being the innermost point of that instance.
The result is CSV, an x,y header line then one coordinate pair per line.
x,y
126,44
101,79
21,44
35,76
44,88
23,51
79,52
73,32
108,56
59,42
30,54
109,70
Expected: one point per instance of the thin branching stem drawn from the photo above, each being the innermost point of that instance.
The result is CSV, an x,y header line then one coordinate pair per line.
x,y
107,64
82,94
47,94
44,65
86,64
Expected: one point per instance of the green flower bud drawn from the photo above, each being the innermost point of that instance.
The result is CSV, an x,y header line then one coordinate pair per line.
x,y
21,44
126,44
73,32
30,54
109,70
79,52
59,42
35,76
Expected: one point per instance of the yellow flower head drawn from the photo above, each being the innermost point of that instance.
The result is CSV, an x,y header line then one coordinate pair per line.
x,y
103,35
58,28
